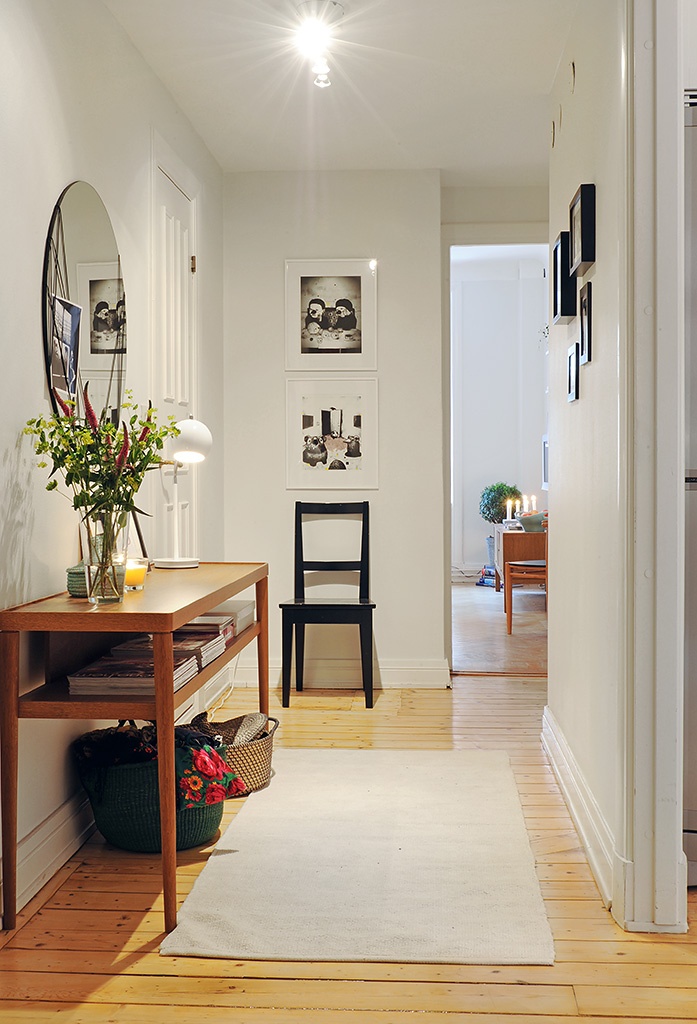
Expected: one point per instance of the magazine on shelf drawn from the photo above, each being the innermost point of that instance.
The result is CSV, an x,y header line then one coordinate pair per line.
x,y
223,624
134,675
204,646
241,611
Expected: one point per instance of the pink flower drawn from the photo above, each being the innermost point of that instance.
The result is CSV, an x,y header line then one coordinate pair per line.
x,y
66,409
90,414
121,457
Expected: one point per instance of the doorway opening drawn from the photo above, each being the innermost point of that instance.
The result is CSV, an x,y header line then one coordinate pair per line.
x,y
499,306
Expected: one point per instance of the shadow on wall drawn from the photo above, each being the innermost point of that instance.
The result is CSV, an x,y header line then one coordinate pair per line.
x,y
16,526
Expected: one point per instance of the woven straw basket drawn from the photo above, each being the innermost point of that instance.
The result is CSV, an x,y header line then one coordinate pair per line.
x,y
125,801
250,760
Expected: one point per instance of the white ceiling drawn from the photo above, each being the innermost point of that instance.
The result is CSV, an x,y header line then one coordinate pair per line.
x,y
458,85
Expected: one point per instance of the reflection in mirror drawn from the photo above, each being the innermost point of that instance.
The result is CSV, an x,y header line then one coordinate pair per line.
x,y
84,307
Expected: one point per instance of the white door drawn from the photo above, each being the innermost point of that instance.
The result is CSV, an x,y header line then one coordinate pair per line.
x,y
174,355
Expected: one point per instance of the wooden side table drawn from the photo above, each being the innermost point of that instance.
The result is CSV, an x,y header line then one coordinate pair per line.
x,y
171,598
514,546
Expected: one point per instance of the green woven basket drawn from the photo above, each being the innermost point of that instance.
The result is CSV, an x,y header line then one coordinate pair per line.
x,y
125,801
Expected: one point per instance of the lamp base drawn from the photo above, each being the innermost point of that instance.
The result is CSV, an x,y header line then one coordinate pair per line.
x,y
175,563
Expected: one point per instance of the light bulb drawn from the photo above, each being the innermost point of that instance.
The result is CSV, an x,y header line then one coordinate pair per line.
x,y
320,67
322,81
312,37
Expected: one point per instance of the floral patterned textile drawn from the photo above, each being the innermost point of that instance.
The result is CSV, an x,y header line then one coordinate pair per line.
x,y
203,775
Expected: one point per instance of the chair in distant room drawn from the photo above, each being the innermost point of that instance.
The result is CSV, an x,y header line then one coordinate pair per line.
x,y
532,570
302,610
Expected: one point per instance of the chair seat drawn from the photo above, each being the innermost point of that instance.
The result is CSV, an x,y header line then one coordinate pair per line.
x,y
338,602
532,562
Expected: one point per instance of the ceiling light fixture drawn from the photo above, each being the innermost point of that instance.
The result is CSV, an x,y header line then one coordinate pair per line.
x,y
315,32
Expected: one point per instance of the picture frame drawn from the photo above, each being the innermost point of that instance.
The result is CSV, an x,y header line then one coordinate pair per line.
x,y
331,424
586,324
101,295
582,230
545,462
331,315
563,285
572,388
66,329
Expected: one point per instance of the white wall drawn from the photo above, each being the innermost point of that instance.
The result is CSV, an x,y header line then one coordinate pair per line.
x,y
588,462
78,103
498,313
394,218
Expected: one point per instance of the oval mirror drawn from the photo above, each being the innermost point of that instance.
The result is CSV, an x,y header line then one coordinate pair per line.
x,y
84,306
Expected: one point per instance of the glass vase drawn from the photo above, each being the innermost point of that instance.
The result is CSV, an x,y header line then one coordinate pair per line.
x,y
104,540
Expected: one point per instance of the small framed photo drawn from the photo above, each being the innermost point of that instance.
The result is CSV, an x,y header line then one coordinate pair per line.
x,y
585,316
331,315
572,373
582,230
563,285
65,323
100,288
331,434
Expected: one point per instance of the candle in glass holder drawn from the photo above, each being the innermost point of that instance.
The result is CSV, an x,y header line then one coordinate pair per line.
x,y
136,568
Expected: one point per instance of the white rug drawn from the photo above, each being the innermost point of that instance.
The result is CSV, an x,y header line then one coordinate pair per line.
x,y
373,855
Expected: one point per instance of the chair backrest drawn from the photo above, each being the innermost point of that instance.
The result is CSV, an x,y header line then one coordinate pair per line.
x,y
303,565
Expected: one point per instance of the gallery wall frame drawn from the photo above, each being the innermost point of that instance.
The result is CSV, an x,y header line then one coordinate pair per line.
x,y
101,295
563,284
331,433
586,323
572,388
331,315
582,230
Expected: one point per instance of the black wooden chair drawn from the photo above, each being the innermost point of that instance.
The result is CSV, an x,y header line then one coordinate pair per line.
x,y
301,610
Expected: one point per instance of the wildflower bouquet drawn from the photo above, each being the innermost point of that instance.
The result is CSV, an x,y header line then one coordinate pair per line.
x,y
104,466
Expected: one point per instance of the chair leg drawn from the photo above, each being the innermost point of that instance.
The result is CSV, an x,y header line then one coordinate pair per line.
x,y
286,656
366,628
299,654
509,601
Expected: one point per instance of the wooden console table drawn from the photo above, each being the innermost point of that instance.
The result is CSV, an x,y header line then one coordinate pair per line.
x,y
514,546
171,597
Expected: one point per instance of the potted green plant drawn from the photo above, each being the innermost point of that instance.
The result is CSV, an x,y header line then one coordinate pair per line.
x,y
492,508
104,465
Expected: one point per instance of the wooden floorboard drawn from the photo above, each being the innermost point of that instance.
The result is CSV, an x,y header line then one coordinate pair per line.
x,y
86,949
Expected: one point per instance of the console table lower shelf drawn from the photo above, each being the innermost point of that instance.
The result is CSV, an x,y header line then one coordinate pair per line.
x,y
170,598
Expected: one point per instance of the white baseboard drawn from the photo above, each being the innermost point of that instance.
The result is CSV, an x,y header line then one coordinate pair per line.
x,y
345,674
593,830
47,847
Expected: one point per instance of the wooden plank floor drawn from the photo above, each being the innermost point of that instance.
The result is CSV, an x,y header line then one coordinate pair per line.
x,y
85,951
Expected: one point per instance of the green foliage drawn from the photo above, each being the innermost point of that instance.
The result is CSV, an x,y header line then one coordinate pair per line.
x,y
102,464
492,504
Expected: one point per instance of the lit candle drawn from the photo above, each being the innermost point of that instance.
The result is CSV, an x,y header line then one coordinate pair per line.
x,y
517,506
534,503
509,509
525,503
136,569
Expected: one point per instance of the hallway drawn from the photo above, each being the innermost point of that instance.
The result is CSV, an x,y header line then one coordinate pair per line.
x,y
480,642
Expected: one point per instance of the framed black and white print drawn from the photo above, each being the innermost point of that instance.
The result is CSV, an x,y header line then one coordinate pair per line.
x,y
331,315
563,285
100,287
331,433
585,317
572,373
582,230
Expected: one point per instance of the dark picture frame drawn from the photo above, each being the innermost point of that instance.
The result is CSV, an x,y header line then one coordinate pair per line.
x,y
564,286
582,230
572,390
586,323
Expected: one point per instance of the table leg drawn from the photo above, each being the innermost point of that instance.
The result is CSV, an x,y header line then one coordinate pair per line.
x,y
262,593
9,737
164,713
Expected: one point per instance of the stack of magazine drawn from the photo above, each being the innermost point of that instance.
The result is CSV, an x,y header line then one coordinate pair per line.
x,y
205,646
221,623
133,675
